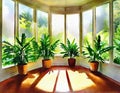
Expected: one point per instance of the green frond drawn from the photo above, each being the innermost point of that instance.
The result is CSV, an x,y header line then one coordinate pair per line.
x,y
46,48
17,52
95,53
18,41
70,49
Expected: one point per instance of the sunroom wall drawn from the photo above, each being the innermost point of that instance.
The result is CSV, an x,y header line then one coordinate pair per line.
x,y
107,69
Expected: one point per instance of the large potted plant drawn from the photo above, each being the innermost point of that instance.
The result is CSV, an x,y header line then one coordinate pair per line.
x,y
95,52
18,53
70,50
47,50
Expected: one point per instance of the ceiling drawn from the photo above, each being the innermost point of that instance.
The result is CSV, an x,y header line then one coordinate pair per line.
x,y
60,5
56,3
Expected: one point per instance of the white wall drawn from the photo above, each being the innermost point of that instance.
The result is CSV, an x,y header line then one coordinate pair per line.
x,y
8,72
111,70
12,71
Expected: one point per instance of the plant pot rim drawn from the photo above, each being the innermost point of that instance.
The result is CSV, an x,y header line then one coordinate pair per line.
x,y
46,59
21,64
72,58
93,62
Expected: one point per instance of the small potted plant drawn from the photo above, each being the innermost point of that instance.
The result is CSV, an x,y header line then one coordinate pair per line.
x,y
46,49
71,50
95,52
17,53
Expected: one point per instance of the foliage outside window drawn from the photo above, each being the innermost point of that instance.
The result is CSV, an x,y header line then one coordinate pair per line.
x,y
102,26
7,28
116,23
72,24
25,20
42,23
87,27
58,29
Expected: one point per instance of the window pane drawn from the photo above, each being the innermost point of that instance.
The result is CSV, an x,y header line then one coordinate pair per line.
x,y
8,21
116,23
58,29
87,27
42,23
102,25
7,28
25,20
73,27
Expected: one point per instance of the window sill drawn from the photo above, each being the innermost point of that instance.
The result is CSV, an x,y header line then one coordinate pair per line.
x,y
10,66
118,65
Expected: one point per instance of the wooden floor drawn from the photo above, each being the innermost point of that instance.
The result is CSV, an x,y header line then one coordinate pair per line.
x,y
59,80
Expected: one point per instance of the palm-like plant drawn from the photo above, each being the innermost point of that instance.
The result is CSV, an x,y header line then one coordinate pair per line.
x,y
71,49
17,52
95,53
46,48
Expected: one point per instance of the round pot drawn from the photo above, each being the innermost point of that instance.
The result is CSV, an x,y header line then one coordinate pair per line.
x,y
71,62
94,66
46,63
22,69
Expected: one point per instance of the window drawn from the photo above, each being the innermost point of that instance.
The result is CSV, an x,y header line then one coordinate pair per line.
x,y
116,23
42,23
8,21
7,28
72,24
102,22
102,25
25,20
87,27
58,29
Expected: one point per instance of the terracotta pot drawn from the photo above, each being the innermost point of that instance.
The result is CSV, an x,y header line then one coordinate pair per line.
x,y
94,65
22,69
71,62
46,63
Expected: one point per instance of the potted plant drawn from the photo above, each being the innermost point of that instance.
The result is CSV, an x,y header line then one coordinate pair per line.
x,y
17,53
71,50
47,50
95,52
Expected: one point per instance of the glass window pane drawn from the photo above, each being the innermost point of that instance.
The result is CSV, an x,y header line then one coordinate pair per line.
x,y
25,20
87,27
102,25
58,29
8,21
42,23
102,22
116,23
7,28
72,23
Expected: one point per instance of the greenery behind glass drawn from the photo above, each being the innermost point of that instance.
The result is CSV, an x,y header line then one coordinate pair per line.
x,y
116,24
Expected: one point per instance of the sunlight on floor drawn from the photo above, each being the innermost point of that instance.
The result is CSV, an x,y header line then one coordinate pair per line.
x,y
79,81
47,83
62,83
30,80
